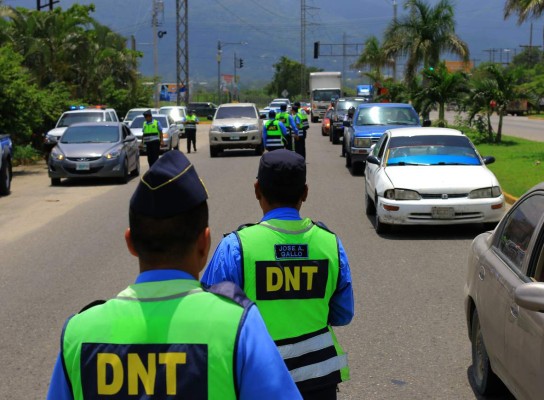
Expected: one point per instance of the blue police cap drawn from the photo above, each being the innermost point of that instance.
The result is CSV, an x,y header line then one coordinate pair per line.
x,y
170,187
271,114
282,170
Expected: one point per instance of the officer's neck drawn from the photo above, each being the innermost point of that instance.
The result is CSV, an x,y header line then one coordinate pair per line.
x,y
180,266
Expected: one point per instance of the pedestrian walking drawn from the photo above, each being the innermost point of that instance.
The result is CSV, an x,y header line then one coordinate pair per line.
x,y
166,335
297,272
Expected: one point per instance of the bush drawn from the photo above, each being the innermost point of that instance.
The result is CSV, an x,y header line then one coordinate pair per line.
x,y
25,155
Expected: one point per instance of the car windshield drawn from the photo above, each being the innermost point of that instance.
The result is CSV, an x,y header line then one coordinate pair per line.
x,y
133,114
176,113
325,95
235,112
138,122
345,105
431,150
91,134
386,116
276,105
74,118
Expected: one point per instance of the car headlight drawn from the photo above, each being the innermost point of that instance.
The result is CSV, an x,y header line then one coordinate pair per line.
x,y
112,154
165,135
252,127
361,142
402,194
56,154
484,193
215,129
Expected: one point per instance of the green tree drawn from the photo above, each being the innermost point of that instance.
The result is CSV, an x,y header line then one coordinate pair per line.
x,y
423,35
287,77
373,56
525,9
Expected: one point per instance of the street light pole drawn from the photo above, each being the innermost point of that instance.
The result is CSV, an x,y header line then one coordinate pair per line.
x,y
234,85
220,46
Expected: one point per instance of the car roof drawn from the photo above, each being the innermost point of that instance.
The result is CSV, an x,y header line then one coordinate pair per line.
x,y
424,131
168,107
108,123
86,110
384,105
238,105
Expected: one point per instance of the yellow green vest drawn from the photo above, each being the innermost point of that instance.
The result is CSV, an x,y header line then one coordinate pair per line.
x,y
284,117
304,124
290,270
190,122
151,129
155,339
274,137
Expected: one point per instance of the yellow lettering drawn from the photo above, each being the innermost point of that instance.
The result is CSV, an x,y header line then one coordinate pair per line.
x,y
270,273
171,360
136,370
102,362
310,271
292,279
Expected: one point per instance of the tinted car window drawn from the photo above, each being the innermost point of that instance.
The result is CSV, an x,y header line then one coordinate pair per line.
x,y
91,134
73,118
133,114
386,116
236,112
518,230
108,117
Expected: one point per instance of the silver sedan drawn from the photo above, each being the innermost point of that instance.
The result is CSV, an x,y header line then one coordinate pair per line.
x,y
99,149
170,131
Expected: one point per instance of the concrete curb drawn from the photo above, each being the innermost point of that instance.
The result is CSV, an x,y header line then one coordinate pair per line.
x,y
509,198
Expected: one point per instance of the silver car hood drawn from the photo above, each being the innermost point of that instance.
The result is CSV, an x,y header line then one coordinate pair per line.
x,y
57,131
235,122
77,150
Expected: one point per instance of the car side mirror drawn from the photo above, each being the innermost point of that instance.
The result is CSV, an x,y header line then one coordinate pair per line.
x,y
262,116
373,160
346,123
530,296
210,116
489,160
427,123
130,138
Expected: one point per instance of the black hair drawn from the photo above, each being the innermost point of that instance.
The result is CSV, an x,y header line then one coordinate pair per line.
x,y
167,239
279,197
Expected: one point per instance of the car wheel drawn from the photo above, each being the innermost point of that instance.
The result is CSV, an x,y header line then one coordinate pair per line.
x,y
370,207
55,181
335,138
259,150
343,150
315,119
213,151
124,178
136,171
380,227
5,177
358,168
323,132
484,379
348,160
330,135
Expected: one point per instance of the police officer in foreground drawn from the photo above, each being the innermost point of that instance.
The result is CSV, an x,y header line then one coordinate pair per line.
x,y
275,134
191,121
298,274
166,335
151,137
287,119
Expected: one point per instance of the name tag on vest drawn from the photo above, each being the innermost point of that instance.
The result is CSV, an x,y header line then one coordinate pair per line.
x,y
291,251
144,371
291,279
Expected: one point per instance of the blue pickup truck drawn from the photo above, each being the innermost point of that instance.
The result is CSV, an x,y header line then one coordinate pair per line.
x,y
369,123
5,164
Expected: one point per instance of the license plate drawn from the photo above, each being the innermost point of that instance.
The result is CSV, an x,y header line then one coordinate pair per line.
x,y
443,213
338,124
83,166
235,137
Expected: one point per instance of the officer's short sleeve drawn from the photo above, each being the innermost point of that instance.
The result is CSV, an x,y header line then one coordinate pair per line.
x,y
260,371
226,263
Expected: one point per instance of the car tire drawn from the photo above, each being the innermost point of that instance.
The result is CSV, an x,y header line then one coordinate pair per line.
x,y
315,119
380,227
259,150
358,168
5,177
55,181
348,160
214,151
136,171
484,379
335,138
343,150
323,132
124,179
370,207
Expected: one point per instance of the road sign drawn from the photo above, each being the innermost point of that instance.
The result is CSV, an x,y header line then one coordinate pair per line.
x,y
285,93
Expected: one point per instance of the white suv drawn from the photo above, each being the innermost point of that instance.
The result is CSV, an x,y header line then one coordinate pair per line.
x,y
79,115
236,126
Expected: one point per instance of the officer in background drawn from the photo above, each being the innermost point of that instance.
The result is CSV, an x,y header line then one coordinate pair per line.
x,y
301,119
298,274
191,121
152,137
166,335
275,134
287,119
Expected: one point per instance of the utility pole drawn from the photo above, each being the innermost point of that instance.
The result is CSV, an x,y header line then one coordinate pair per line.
x,y
235,86
302,48
155,25
39,4
343,59
394,58
182,50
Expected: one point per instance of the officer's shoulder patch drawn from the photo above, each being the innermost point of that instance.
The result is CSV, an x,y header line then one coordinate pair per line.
x,y
91,305
230,291
323,226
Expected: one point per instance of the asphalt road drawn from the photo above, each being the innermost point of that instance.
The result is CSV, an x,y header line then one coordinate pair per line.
x,y
63,247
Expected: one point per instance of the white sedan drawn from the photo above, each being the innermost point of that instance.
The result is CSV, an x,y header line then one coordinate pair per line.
x,y
430,176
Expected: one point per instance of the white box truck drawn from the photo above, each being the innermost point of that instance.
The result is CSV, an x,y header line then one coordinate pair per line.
x,y
324,86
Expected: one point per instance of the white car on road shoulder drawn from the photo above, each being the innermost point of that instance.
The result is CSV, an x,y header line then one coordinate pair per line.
x,y
430,176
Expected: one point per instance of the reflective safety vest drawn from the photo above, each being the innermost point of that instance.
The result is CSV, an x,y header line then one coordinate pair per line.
x,y
290,270
151,131
274,136
284,117
304,124
163,339
190,122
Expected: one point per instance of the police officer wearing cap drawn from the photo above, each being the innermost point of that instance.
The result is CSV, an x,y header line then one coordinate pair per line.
x,y
301,119
191,121
296,271
275,134
166,335
151,137
287,119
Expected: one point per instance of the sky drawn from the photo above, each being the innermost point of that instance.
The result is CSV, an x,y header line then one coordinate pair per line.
x,y
272,29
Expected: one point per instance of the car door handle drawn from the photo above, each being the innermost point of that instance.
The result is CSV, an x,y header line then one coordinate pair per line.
x,y
514,310
481,273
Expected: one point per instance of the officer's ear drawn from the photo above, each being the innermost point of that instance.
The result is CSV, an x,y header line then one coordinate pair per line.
x,y
203,244
305,193
258,193
130,245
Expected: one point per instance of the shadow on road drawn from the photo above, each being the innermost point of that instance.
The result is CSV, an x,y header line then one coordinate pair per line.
x,y
502,393
238,153
88,182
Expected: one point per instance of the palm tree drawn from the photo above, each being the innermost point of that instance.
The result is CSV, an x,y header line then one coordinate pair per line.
x,y
525,9
423,35
373,56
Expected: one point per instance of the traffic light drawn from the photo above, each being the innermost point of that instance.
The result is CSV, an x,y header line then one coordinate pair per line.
x,y
316,49
241,62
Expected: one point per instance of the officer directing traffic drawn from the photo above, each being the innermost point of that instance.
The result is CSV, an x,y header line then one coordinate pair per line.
x,y
275,134
191,121
166,335
151,137
298,274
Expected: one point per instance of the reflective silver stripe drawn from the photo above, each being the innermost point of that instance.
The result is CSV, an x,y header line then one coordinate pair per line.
x,y
150,138
274,228
164,298
319,369
315,343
